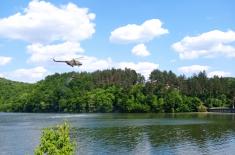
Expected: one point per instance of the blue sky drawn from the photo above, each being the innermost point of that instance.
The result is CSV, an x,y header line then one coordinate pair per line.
x,y
183,36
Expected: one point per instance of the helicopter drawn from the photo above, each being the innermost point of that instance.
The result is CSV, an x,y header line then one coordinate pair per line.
x,y
73,62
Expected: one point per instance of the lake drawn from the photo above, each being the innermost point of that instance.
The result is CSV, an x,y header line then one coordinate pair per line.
x,y
188,133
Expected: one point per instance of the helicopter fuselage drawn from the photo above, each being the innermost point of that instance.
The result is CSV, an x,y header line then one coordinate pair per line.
x,y
71,63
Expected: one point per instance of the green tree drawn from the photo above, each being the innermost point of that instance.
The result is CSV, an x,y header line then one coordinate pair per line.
x,y
56,141
172,100
117,90
99,100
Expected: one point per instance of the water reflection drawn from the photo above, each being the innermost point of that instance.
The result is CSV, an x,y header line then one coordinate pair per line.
x,y
191,133
199,135
108,140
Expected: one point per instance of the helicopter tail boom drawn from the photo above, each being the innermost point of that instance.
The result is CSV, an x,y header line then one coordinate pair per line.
x,y
58,60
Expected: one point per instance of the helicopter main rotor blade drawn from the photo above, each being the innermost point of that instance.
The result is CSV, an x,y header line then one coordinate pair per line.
x,y
79,58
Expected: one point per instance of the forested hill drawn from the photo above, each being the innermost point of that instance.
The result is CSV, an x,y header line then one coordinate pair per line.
x,y
117,90
10,91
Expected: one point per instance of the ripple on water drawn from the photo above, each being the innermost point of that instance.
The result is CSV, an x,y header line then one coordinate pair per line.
x,y
125,133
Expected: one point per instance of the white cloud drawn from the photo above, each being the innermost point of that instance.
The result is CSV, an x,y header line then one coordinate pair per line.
x,y
209,44
43,22
42,53
4,60
92,64
219,73
145,68
27,75
53,31
140,50
138,33
193,69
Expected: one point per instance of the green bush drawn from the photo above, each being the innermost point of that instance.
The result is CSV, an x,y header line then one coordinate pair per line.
x,y
202,108
56,141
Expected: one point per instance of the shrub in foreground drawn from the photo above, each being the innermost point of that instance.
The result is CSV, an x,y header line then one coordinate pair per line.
x,y
56,141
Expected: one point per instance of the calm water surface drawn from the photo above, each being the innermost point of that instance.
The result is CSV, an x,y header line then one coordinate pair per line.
x,y
190,133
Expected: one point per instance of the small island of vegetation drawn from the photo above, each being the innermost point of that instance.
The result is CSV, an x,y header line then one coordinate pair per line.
x,y
116,90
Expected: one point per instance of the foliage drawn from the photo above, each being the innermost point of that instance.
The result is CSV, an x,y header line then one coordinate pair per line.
x,y
202,108
56,141
116,90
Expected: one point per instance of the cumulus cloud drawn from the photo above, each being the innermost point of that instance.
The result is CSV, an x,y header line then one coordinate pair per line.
x,y
140,50
209,44
43,22
4,60
42,53
138,33
219,74
52,31
92,63
27,75
193,69
145,68
56,31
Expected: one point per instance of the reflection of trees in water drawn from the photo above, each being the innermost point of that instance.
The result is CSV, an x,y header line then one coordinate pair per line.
x,y
213,137
108,140
204,138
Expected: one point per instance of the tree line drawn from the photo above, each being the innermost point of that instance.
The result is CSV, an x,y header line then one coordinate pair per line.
x,y
116,90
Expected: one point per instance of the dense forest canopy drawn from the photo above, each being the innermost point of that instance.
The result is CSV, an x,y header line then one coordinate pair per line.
x,y
117,90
